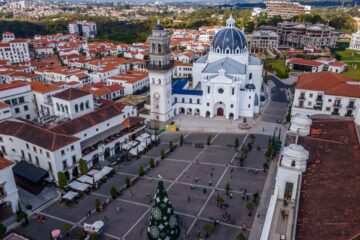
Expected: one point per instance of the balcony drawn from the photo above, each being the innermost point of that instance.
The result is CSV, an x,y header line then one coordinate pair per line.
x,y
350,106
337,105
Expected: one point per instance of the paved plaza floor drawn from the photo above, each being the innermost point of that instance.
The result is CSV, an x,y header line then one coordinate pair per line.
x,y
194,177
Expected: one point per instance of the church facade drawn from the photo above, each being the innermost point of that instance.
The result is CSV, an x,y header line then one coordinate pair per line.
x,y
226,82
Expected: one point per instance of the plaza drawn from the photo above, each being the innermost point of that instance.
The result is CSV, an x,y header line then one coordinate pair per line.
x,y
194,177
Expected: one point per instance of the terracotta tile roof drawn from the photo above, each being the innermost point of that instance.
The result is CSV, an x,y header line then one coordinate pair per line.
x,y
337,64
329,82
330,191
4,163
179,63
86,121
43,87
305,62
130,76
3,105
14,84
44,138
71,94
132,121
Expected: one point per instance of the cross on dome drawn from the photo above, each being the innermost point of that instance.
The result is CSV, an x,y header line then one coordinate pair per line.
x,y
230,22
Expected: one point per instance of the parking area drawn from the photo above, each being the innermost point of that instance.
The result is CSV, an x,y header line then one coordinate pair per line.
x,y
195,178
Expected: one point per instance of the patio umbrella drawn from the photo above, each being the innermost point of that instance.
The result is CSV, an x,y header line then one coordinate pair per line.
x,y
55,233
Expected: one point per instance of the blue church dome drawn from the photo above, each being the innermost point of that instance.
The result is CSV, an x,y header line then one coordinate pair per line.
x,y
229,40
158,26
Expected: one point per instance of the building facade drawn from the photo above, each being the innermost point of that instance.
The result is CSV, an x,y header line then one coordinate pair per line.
x,y
355,41
263,40
13,49
286,10
227,82
83,28
295,35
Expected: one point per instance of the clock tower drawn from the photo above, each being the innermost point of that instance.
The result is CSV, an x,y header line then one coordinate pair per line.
x,y
160,74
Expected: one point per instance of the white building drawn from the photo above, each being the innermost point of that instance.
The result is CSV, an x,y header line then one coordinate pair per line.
x,y
8,192
292,164
262,40
15,50
226,82
131,81
72,103
355,41
18,97
326,93
83,28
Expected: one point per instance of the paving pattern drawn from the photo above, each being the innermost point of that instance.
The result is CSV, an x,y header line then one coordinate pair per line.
x,y
194,178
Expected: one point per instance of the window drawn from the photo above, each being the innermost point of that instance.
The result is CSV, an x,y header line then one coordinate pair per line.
x,y
76,108
310,95
231,105
250,76
183,100
14,101
26,108
87,105
72,148
81,106
17,110
2,191
37,160
198,101
220,90
50,167
30,158
249,106
27,116
97,129
233,91
1,139
21,99
34,149
64,165
207,104
62,152
175,100
57,107
208,89
47,154
190,100
27,146
74,159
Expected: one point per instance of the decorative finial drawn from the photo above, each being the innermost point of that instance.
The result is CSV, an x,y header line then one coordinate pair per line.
x,y
158,22
230,22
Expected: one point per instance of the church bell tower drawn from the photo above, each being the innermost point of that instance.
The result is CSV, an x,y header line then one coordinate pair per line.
x,y
160,74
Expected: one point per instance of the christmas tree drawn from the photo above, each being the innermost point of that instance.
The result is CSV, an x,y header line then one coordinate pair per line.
x,y
163,224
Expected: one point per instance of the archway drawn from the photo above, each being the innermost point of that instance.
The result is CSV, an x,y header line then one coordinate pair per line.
x,y
5,211
207,114
197,111
231,116
220,111
182,110
175,112
75,172
189,111
107,153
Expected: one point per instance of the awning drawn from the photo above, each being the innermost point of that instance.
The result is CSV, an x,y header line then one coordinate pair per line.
x,y
133,152
133,143
86,179
70,195
79,186
126,147
30,172
145,135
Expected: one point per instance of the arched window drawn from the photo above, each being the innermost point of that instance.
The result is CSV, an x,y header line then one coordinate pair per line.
x,y
82,106
57,106
87,106
153,47
159,81
159,48
66,109
62,108
227,51
76,108
250,76
218,50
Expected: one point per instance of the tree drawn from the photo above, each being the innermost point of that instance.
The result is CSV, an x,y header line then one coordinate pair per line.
x,y
127,182
181,139
84,169
171,146
227,189
208,142
163,223
62,180
152,162
240,236
237,142
208,228
141,171
249,27
2,230
275,20
265,166
94,236
256,196
114,193
66,228
97,205
162,153
80,233
250,208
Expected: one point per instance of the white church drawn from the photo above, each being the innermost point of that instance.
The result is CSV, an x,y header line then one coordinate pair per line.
x,y
226,82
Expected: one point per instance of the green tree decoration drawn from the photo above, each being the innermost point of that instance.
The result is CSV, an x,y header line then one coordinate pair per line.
x,y
163,224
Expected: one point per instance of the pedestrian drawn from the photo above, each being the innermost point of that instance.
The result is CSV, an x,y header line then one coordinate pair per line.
x,y
196,179
204,191
211,174
210,183
188,198
191,187
150,178
231,195
247,197
118,209
243,196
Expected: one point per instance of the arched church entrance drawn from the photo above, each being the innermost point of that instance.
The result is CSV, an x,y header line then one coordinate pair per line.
x,y
220,111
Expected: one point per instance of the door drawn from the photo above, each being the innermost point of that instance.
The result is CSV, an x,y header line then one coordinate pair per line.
x,y
220,112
